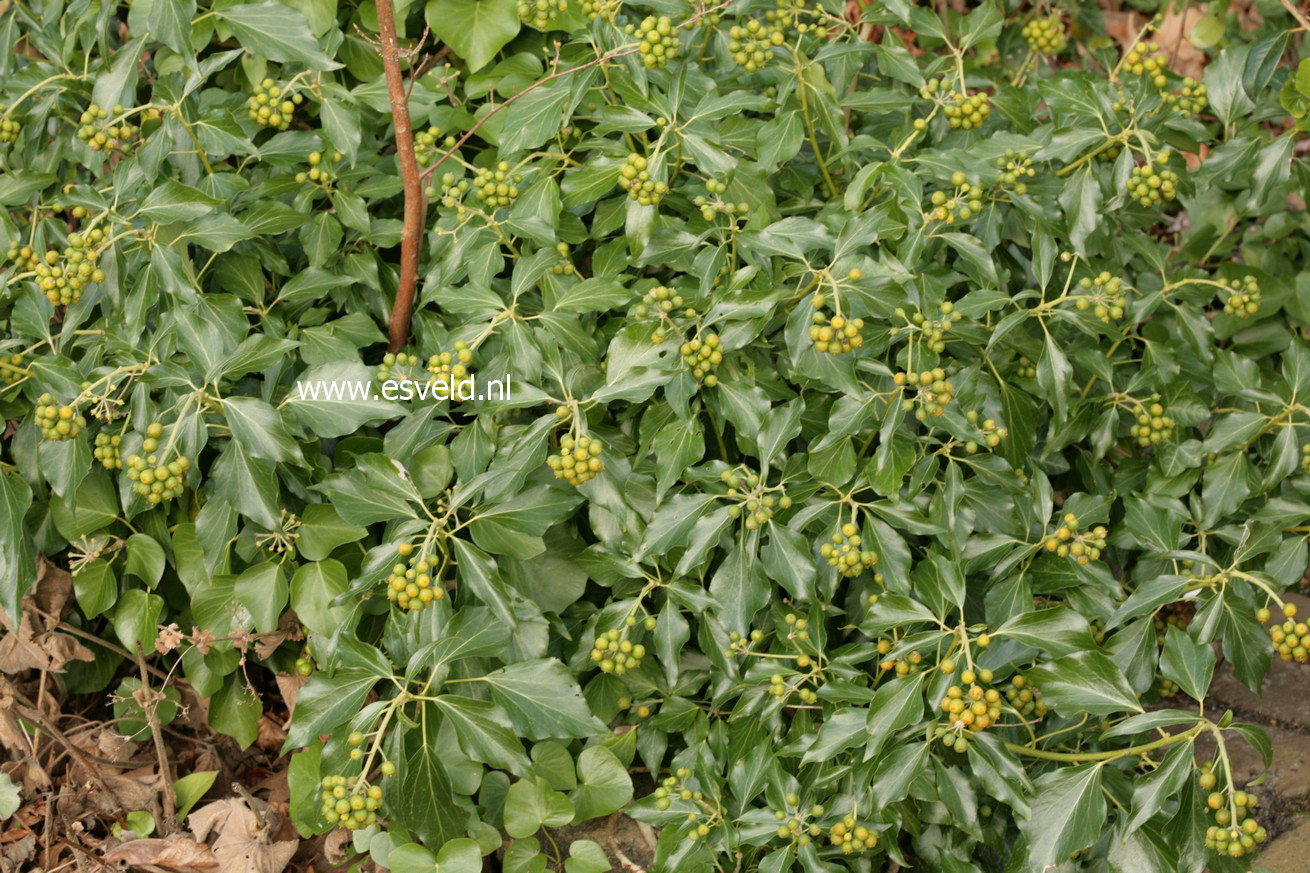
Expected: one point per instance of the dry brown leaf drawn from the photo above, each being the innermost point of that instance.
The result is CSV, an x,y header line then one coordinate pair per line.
x,y
1184,58
16,853
36,645
177,854
334,846
290,684
270,734
243,844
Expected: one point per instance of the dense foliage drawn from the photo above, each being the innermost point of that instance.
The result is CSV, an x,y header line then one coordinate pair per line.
x,y
906,415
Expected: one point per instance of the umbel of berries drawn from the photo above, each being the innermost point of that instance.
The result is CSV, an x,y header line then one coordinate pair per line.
x,y
540,13
835,334
57,421
269,106
1045,36
411,585
153,477
965,203
657,40
1152,183
101,137
1150,425
703,356
107,450
634,177
497,187
578,460
9,130
844,552
605,10
1242,297
1067,541
1104,294
615,654
350,804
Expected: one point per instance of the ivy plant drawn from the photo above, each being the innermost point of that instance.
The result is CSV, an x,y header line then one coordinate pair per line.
x,y
907,414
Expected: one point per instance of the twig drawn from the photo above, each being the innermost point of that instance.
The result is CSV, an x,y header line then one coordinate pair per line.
x,y
1296,13
628,864
28,712
412,231
148,706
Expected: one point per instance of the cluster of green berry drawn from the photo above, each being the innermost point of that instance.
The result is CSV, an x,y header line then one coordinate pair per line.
x,y
963,110
153,478
845,554
317,173
1152,182
972,705
902,666
564,266
1244,297
614,653
1190,99
1026,369
835,334
932,392
752,44
634,177
425,145
540,13
797,826
657,40
702,357
1235,832
410,585
992,433
1067,541
1150,424
1291,639
451,365
754,499
270,106
1104,294
1014,169
605,10
852,838
9,130
1045,35
106,450
58,422
1305,456
964,203
63,277
350,807
399,367
932,331
305,665
1026,698
497,187
99,136
715,204
675,786
578,460
1146,60
11,369
451,194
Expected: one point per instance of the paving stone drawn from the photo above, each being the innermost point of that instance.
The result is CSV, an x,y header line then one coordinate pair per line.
x,y
1289,851
1289,774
